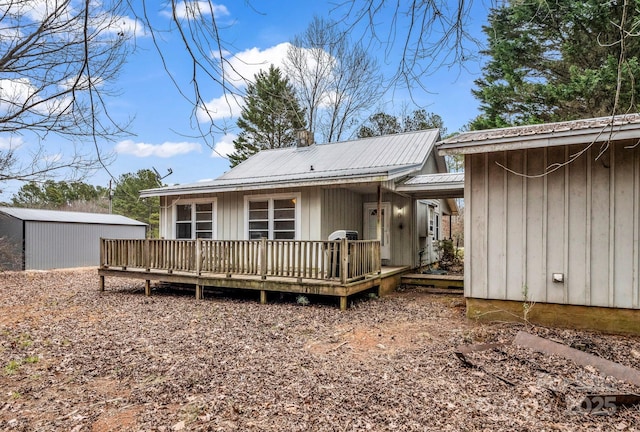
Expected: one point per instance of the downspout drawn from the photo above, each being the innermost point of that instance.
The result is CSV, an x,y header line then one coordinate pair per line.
x,y
379,215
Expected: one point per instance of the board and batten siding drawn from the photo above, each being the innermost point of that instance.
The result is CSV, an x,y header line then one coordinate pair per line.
x,y
581,220
403,221
230,212
341,209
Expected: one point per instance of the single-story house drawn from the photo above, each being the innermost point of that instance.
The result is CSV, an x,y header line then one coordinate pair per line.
x,y
394,188
33,239
552,222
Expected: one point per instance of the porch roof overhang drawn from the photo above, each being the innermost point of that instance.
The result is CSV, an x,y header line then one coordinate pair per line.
x,y
385,176
434,186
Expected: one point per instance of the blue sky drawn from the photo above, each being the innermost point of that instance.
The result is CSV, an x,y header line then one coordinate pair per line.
x,y
164,133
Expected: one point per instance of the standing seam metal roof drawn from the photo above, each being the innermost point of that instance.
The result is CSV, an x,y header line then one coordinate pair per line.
x,y
384,155
386,151
68,217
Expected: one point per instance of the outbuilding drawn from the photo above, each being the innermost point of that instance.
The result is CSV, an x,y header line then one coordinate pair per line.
x,y
33,239
552,222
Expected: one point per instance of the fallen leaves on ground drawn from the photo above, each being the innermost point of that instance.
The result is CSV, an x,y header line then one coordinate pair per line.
x,y
77,359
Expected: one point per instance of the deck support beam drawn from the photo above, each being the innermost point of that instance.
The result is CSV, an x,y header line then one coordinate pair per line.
x,y
263,297
147,288
101,283
343,303
199,292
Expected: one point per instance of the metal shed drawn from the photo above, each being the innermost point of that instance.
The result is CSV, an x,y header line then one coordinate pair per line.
x,y
46,239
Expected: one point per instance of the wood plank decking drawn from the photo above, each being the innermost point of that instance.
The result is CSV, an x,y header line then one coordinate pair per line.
x,y
329,268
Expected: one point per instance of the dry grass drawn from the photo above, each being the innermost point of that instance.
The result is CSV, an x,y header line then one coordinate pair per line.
x,y
76,359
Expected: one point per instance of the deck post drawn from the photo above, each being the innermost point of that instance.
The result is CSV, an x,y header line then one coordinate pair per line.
x,y
263,297
146,258
198,256
344,260
101,252
199,290
101,283
343,303
263,263
147,288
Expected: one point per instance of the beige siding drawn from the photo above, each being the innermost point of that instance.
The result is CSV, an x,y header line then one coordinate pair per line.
x,y
230,212
582,220
341,209
404,243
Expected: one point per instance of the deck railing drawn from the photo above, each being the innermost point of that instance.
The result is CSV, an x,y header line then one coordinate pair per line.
x,y
342,260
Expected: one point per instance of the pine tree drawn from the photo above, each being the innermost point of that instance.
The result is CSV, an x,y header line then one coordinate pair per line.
x,y
127,201
558,60
270,117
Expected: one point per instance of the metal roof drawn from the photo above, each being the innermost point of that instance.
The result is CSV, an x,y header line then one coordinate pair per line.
x,y
27,214
428,179
620,127
430,186
368,159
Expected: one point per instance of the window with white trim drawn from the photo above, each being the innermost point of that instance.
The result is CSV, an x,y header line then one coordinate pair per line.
x,y
195,220
274,218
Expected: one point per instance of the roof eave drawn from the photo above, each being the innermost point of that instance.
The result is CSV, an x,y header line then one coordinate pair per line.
x,y
553,139
240,187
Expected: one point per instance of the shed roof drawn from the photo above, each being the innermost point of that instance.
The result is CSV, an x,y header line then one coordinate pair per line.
x,y
437,185
368,159
39,215
585,131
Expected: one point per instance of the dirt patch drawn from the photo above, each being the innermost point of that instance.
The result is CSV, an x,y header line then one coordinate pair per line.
x,y
75,359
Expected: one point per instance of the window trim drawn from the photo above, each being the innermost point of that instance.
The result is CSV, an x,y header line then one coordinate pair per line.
x,y
214,211
271,198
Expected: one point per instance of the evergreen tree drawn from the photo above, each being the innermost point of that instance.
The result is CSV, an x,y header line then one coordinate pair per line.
x,y
127,201
60,195
382,123
558,60
270,117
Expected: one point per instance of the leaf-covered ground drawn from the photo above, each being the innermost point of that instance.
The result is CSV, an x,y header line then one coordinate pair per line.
x,y
75,359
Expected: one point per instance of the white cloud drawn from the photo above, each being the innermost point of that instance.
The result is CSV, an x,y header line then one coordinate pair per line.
x,y
126,25
242,67
195,9
18,92
224,146
164,150
10,142
246,64
226,106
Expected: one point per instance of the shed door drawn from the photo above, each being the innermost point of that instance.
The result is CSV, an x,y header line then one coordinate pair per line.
x,y
370,226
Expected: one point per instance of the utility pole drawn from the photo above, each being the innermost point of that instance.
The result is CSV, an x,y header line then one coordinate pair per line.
x,y
110,198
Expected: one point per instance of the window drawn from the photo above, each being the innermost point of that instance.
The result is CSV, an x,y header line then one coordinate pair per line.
x,y
195,220
258,219
284,219
273,218
432,217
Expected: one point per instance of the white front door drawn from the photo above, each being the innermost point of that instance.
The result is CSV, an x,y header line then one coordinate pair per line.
x,y
371,224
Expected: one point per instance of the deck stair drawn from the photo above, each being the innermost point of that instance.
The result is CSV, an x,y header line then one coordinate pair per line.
x,y
436,283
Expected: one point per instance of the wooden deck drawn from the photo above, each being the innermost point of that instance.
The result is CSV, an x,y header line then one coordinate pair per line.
x,y
328,268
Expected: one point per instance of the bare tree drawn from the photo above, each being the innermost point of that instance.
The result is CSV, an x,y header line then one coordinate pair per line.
x,y
196,23
334,79
57,59
418,37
